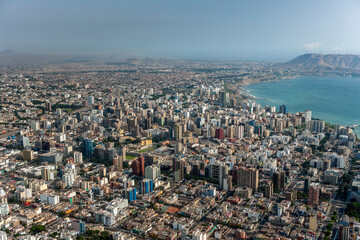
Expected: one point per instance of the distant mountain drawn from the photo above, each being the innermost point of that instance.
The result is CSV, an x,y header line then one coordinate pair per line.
x,y
324,63
8,51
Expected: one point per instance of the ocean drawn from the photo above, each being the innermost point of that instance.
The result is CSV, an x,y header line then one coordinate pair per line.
x,y
332,99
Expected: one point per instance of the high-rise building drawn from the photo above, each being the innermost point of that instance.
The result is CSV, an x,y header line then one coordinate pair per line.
x,y
3,235
132,124
217,171
118,162
269,189
249,130
24,141
314,191
87,148
291,195
123,153
146,186
178,168
233,102
78,157
197,235
68,178
47,173
227,183
48,106
135,165
306,185
178,131
148,123
239,132
141,159
102,172
344,232
35,125
282,109
4,209
152,172
200,121
179,148
219,133
45,146
138,166
317,126
224,98
82,227
307,115
248,177
279,180
230,131
90,100
28,155
130,194
3,196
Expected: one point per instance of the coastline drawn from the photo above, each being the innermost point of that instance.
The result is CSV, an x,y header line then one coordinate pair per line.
x,y
251,81
244,83
247,94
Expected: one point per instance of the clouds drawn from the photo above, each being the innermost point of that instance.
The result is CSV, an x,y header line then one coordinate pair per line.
x,y
312,46
337,49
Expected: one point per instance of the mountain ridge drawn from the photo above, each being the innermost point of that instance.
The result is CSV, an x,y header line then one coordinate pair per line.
x,y
326,62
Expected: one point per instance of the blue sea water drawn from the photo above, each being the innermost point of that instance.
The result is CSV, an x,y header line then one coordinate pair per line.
x,y
332,99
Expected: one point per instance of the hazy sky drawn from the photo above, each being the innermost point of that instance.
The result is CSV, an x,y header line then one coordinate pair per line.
x,y
222,29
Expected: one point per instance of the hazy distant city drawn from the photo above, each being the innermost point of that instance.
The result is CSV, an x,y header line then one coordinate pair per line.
x,y
167,142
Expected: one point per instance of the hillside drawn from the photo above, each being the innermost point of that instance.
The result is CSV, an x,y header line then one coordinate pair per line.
x,y
331,62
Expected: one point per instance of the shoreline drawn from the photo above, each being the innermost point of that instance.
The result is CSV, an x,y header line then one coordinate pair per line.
x,y
250,81
241,86
244,92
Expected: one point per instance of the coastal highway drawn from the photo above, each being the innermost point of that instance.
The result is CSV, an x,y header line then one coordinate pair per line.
x,y
7,134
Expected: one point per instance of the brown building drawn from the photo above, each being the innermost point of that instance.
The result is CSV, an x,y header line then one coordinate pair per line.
x,y
28,155
118,162
269,189
279,180
291,195
313,197
248,177
138,166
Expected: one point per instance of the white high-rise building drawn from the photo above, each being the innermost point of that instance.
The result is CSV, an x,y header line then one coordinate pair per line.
x,y
50,199
69,179
3,235
307,115
90,100
239,132
78,158
317,126
3,197
35,125
59,111
199,235
4,209
152,172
